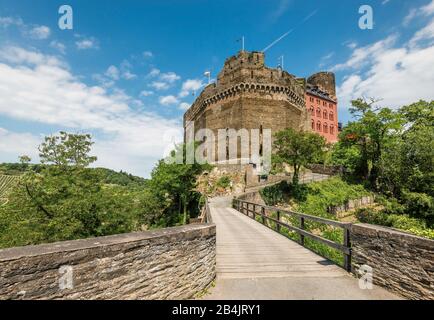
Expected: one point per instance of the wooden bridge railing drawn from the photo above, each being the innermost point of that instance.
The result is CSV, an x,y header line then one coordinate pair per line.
x,y
250,209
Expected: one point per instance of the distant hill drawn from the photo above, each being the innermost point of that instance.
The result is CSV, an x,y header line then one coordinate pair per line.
x,y
108,176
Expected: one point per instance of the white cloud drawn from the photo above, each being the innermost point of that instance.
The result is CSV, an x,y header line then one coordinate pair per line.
x,y
128,75
86,43
146,93
426,33
361,55
398,75
168,100
190,85
13,145
40,32
112,72
58,46
39,88
10,21
169,77
428,9
148,54
154,73
158,85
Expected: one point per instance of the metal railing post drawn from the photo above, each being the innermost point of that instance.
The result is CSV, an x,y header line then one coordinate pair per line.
x,y
263,215
302,227
278,219
347,243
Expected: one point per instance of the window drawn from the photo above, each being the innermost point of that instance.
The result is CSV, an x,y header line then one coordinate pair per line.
x,y
326,128
324,114
318,126
331,116
318,112
332,129
312,110
318,101
313,125
331,105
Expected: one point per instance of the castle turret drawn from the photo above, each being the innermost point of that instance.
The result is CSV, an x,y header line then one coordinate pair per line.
x,y
325,81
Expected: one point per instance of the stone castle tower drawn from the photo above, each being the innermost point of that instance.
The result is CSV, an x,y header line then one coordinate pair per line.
x,y
249,95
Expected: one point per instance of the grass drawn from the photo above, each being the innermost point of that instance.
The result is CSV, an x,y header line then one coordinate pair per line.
x,y
314,199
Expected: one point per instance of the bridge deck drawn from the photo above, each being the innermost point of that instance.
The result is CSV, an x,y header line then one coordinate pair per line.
x,y
254,262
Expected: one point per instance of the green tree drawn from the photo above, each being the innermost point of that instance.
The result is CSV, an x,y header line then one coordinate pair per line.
x,y
176,183
297,148
65,200
371,134
67,149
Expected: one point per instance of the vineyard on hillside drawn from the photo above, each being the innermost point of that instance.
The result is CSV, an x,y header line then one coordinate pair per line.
x,y
6,183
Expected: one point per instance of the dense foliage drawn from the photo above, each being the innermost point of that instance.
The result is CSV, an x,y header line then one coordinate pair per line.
x,y
297,148
63,199
392,152
315,199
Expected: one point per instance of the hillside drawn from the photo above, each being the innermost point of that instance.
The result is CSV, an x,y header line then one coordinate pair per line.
x,y
108,176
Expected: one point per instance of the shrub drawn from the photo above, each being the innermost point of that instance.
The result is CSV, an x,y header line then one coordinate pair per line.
x,y
419,205
223,182
368,215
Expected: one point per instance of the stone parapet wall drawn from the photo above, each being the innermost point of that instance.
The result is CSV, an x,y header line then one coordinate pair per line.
x,y
172,263
401,262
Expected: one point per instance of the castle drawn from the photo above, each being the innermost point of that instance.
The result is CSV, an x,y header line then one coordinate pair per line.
x,y
249,95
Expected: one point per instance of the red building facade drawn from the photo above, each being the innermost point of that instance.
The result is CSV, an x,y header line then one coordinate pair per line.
x,y
323,110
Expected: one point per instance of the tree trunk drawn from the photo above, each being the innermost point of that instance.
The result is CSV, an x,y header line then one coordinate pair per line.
x,y
186,218
295,177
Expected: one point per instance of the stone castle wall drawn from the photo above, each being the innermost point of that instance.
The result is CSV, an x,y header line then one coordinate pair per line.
x,y
249,95
401,262
173,263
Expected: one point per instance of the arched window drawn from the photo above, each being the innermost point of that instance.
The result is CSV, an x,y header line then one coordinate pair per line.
x,y
318,126
331,116
332,129
318,112
313,125
324,114
312,110
326,128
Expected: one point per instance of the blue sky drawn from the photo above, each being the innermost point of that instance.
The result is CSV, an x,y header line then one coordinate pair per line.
x,y
128,69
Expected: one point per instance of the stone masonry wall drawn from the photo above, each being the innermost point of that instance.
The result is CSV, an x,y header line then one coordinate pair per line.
x,y
401,262
173,263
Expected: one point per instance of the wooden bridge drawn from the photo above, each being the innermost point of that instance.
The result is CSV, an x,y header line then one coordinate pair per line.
x,y
255,262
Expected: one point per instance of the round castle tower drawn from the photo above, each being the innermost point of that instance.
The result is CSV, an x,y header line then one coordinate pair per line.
x,y
249,95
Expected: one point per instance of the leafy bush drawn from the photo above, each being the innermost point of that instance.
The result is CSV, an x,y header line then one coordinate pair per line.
x,y
321,195
419,205
368,215
224,182
398,221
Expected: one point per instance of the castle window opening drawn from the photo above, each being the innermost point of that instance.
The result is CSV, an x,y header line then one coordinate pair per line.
x,y
326,128
331,116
